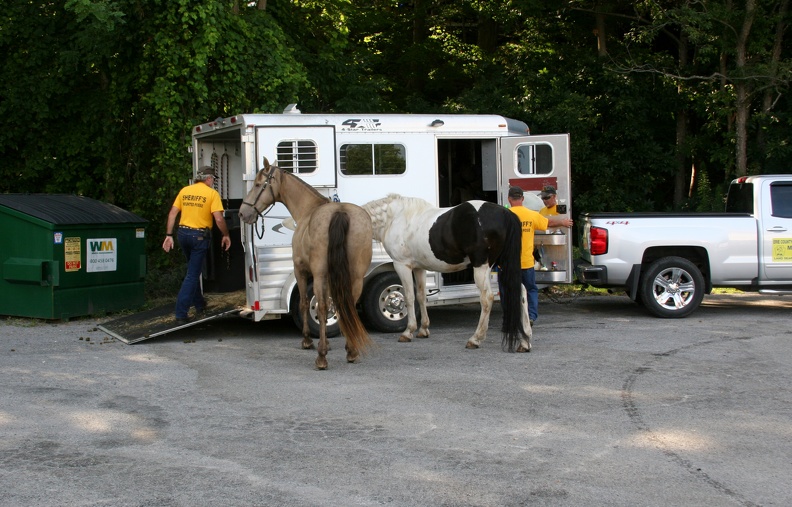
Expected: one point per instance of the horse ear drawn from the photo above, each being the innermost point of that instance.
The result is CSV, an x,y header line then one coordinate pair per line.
x,y
266,163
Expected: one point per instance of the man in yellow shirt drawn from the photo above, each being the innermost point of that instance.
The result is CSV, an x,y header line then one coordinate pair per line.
x,y
550,201
531,221
198,204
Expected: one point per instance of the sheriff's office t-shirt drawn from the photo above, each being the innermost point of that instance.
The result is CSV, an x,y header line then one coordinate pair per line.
x,y
197,202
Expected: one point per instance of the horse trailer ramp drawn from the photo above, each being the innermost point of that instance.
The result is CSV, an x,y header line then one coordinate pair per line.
x,y
159,321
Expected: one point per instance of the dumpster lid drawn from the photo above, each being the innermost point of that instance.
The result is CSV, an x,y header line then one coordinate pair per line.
x,y
65,209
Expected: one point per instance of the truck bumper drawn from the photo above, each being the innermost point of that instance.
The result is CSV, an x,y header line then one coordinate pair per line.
x,y
590,274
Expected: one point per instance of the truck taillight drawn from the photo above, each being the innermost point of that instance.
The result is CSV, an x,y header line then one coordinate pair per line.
x,y
598,241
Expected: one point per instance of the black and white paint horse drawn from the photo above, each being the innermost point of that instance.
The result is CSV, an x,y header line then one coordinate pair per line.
x,y
419,236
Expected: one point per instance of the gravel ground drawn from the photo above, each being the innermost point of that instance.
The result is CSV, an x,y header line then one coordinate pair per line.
x,y
612,407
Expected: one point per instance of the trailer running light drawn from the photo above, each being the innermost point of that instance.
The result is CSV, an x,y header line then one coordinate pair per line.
x,y
598,241
198,129
257,306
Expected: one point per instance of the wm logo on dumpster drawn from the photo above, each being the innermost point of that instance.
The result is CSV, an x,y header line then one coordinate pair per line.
x,y
101,255
102,246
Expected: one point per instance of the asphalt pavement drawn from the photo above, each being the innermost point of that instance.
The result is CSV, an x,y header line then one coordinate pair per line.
x,y
612,407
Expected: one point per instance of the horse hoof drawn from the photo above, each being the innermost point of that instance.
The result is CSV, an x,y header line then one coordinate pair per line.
x,y
353,359
321,365
307,345
423,334
471,345
404,339
523,349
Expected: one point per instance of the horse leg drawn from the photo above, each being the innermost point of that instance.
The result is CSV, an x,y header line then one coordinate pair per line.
x,y
302,286
406,277
481,276
525,342
420,288
321,311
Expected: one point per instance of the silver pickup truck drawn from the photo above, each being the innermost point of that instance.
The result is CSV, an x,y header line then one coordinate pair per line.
x,y
669,261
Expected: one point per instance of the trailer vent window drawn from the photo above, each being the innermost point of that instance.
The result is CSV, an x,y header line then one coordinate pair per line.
x,y
535,159
297,156
372,159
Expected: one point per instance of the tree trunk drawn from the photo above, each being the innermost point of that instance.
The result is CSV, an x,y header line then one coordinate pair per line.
x,y
681,181
743,92
487,35
417,77
775,58
602,49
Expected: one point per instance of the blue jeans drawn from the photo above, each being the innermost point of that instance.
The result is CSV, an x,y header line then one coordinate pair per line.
x,y
529,282
528,278
195,245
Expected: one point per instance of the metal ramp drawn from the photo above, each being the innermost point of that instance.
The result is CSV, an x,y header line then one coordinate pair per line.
x,y
160,321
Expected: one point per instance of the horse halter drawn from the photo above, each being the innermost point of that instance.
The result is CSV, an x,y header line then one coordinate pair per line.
x,y
264,186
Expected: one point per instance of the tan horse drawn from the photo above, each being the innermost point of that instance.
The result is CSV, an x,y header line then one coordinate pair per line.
x,y
332,245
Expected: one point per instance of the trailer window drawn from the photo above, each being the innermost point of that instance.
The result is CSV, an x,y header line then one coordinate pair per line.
x,y
781,196
535,159
372,159
297,156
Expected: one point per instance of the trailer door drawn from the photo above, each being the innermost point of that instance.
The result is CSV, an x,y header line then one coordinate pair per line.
x,y
306,151
531,163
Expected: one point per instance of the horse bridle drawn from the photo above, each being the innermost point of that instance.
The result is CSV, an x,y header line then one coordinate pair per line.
x,y
264,186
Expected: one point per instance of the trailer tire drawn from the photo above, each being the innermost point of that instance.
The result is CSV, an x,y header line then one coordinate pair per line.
x,y
672,287
384,305
332,330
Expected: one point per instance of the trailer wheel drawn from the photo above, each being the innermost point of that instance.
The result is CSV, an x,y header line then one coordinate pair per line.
x,y
672,287
333,329
384,305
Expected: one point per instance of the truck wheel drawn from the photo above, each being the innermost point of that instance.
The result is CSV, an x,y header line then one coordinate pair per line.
x,y
672,287
384,306
333,329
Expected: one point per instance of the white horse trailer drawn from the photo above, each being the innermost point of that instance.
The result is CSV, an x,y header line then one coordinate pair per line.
x,y
443,158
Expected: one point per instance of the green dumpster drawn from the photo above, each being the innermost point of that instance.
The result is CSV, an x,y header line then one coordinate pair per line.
x,y
65,256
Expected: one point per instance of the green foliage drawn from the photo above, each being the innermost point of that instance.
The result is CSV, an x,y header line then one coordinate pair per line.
x,y
100,96
103,95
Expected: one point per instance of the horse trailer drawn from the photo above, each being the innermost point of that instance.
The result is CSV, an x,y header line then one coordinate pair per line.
x,y
443,158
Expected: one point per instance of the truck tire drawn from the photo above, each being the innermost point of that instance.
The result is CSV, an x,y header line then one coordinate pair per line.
x,y
672,287
384,306
332,330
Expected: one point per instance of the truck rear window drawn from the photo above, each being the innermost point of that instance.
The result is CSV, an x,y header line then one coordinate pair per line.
x,y
740,198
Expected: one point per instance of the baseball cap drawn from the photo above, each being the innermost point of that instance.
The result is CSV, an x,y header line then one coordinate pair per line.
x,y
207,171
547,191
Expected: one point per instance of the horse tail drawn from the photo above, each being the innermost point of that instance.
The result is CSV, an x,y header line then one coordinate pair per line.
x,y
341,284
511,283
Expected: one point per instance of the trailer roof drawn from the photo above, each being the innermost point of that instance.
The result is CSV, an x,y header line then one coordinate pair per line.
x,y
371,122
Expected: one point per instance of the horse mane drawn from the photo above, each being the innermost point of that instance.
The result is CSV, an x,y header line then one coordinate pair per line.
x,y
302,182
383,210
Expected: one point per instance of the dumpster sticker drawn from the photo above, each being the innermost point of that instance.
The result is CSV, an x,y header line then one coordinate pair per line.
x,y
140,233
100,255
782,250
72,254
58,238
